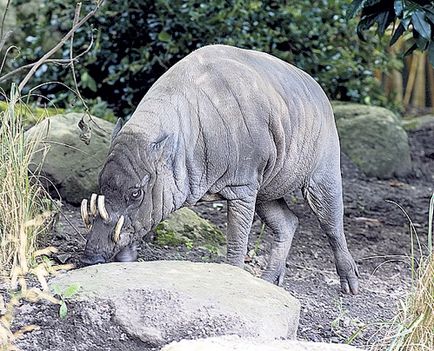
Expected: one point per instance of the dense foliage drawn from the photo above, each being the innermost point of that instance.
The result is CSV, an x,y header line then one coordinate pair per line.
x,y
414,16
136,41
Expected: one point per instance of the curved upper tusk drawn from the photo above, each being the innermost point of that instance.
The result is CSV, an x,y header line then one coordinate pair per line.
x,y
101,208
84,213
93,208
117,232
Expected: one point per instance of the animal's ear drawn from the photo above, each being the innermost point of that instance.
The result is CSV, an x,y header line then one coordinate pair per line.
x,y
118,126
162,148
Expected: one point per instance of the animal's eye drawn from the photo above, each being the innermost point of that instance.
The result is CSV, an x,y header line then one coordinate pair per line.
x,y
136,193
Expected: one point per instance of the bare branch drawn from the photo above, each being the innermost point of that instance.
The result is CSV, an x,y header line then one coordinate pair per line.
x,y
55,61
19,69
71,48
6,55
3,23
44,58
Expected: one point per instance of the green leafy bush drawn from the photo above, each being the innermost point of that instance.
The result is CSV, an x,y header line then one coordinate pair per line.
x,y
136,41
409,18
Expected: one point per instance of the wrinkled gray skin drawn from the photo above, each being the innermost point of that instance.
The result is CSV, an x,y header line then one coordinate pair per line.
x,y
233,124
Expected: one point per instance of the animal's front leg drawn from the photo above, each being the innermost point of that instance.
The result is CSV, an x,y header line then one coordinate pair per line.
x,y
240,218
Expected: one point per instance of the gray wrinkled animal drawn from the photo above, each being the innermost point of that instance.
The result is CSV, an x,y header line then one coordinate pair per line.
x,y
223,123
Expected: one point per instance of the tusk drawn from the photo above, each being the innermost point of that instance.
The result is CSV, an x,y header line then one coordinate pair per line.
x,y
117,233
101,208
84,214
93,209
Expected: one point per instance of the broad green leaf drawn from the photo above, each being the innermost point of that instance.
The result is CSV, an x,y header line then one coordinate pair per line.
x,y
164,36
421,25
63,310
398,6
71,290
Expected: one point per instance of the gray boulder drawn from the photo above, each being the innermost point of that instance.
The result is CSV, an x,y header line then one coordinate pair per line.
x,y
185,227
373,138
235,343
162,301
70,165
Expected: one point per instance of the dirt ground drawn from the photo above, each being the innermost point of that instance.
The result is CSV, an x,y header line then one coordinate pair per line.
x,y
378,236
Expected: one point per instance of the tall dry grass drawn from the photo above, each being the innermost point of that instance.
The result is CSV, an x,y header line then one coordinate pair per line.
x,y
24,204
413,326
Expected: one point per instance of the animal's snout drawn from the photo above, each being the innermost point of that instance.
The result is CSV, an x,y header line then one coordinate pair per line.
x,y
127,254
90,259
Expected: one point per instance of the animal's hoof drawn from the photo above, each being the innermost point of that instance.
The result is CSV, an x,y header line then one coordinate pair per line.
x,y
350,285
274,276
348,274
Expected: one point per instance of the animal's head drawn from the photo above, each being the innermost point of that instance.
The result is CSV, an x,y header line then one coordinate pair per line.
x,y
130,200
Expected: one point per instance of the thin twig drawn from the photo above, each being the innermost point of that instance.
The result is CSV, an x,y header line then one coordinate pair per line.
x,y
71,49
55,61
19,69
6,55
3,24
58,45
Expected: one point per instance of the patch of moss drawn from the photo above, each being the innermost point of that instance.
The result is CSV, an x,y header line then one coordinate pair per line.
x,y
185,227
167,237
31,115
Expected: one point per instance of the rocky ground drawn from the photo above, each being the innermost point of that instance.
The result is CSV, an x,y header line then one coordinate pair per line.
x,y
378,236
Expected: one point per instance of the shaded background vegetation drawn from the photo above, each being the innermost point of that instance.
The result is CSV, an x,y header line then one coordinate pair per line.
x,y
136,41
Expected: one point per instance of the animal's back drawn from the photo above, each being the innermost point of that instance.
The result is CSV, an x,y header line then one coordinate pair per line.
x,y
249,115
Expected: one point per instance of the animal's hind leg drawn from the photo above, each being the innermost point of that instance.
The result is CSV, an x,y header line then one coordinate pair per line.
x,y
240,217
324,195
283,222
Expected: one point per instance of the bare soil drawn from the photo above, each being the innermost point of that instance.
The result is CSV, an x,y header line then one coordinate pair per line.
x,y
378,236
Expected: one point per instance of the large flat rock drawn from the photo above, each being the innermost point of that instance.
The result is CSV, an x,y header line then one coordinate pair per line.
x,y
235,343
162,301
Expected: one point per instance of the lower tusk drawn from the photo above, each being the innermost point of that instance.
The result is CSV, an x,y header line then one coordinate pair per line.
x,y
84,214
117,232
93,209
101,208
